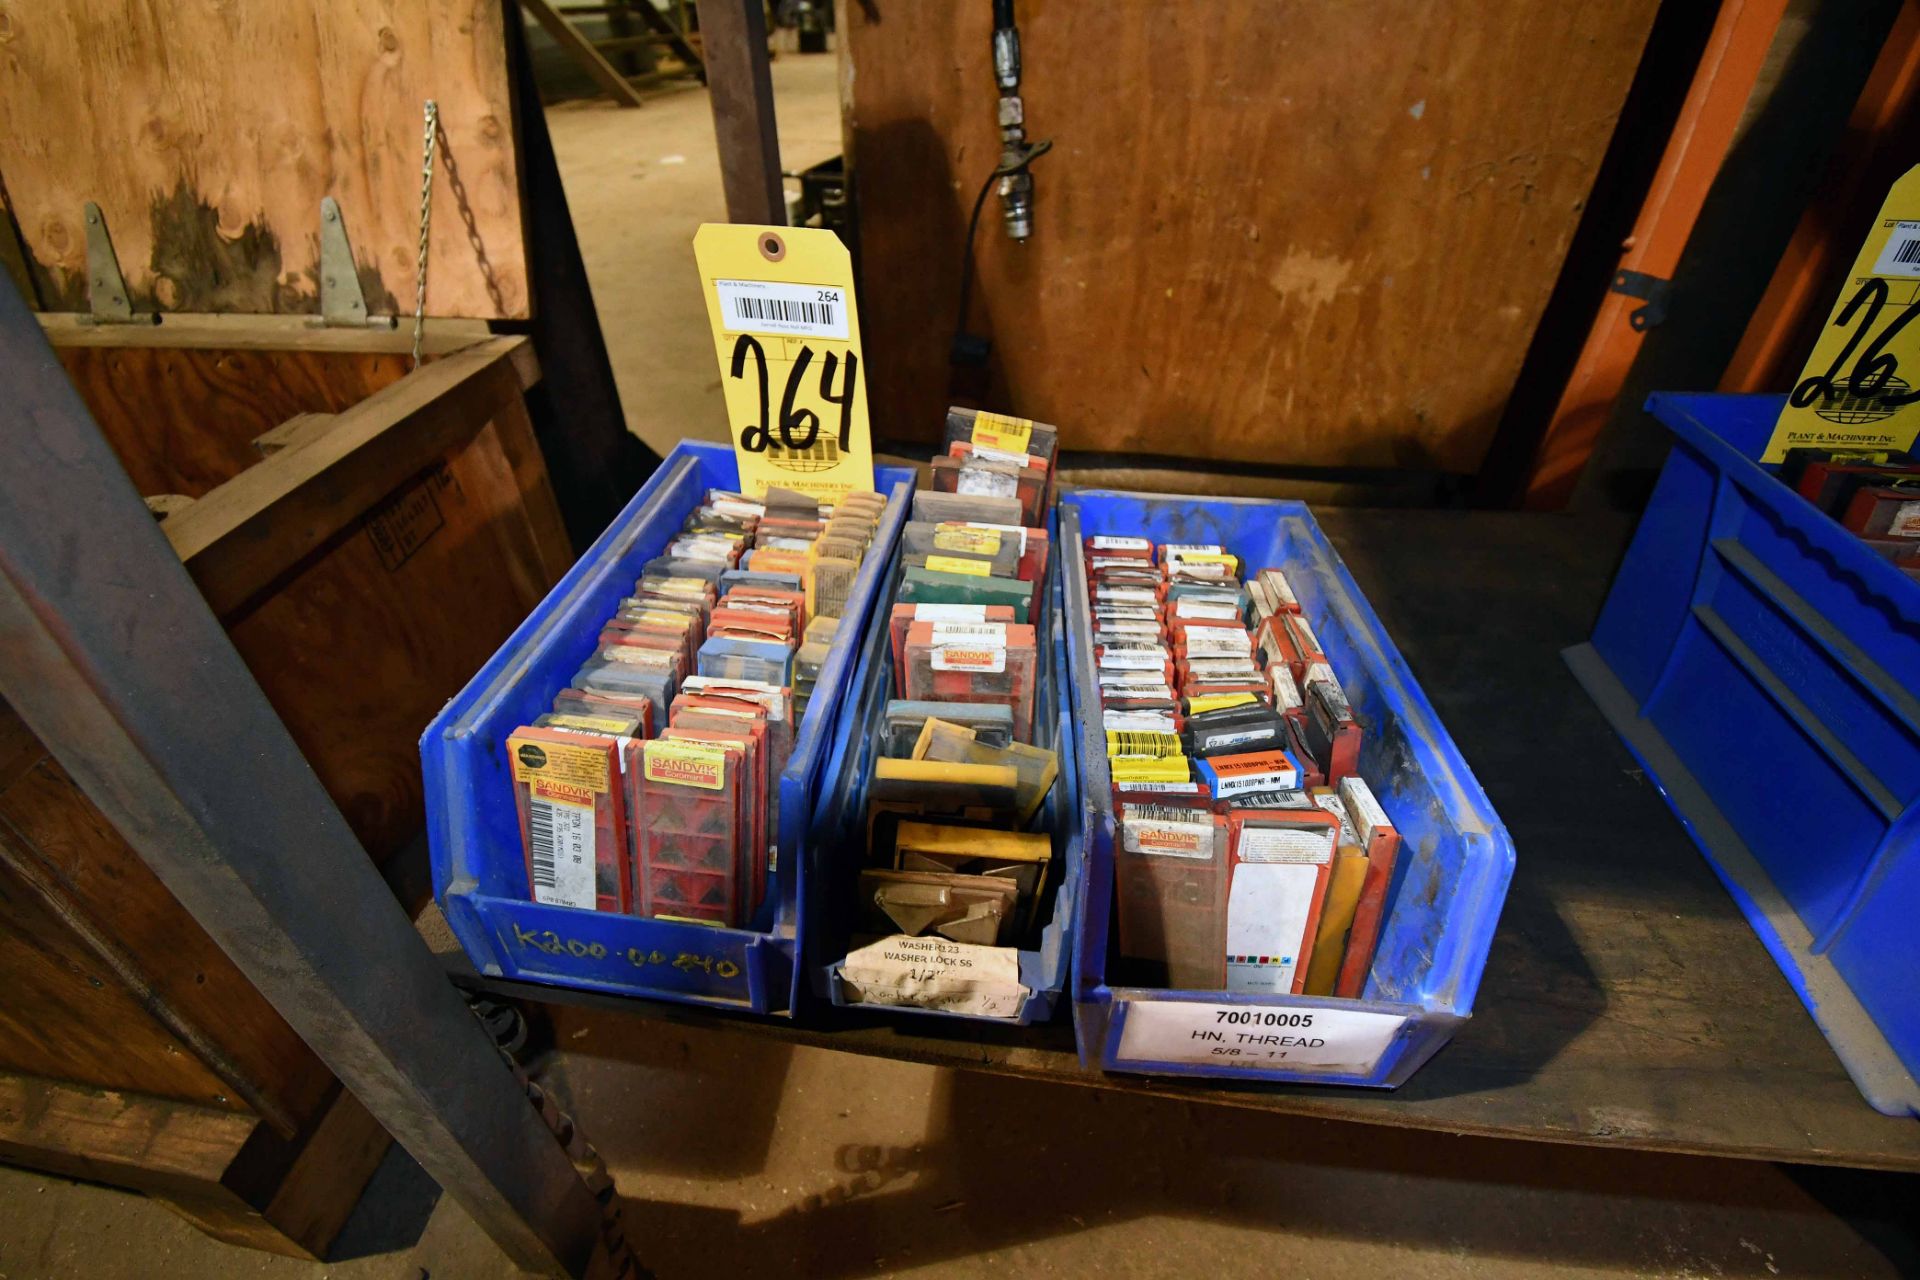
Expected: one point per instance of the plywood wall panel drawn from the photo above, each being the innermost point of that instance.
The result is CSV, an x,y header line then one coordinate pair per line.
x,y
208,134
1288,232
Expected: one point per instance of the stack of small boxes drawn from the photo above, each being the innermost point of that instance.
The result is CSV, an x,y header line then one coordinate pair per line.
x,y
652,787
958,784
1252,856
1875,493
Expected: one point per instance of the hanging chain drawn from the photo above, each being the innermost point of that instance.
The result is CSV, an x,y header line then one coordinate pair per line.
x,y
428,143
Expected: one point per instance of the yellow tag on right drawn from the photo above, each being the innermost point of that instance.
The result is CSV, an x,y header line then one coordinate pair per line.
x,y
998,431
1858,387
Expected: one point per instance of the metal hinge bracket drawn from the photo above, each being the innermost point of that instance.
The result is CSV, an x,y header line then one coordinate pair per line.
x,y
108,301
1655,292
342,303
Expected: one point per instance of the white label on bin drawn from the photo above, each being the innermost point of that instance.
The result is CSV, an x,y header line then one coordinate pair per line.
x,y
560,849
934,973
1255,1036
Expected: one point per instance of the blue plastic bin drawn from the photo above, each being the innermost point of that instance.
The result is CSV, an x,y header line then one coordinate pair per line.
x,y
1449,882
479,873
1764,665
841,819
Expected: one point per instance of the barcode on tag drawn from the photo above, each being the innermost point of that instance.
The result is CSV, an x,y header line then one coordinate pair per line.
x,y
758,306
560,851
1901,256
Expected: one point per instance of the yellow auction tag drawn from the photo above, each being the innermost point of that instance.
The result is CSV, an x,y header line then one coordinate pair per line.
x,y
785,329
955,564
1852,394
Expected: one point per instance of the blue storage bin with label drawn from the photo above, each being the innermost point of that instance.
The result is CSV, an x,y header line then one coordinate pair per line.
x,y
1764,665
479,873
840,822
1449,881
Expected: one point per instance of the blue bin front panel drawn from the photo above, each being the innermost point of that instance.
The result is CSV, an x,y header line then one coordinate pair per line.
x,y
1778,659
839,822
479,872
1457,859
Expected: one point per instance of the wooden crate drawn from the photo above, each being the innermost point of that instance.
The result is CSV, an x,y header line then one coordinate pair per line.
x,y
368,531
133,1052
368,535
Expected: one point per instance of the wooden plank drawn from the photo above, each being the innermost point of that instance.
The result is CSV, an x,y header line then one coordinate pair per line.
x,y
733,34
184,420
209,133
260,333
1284,232
583,52
119,1138
300,429
239,537
66,1015
363,642
313,1200
56,845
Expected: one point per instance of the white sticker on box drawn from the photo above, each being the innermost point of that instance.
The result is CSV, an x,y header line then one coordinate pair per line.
x,y
1363,808
1006,530
933,973
984,632
1216,642
1285,844
978,482
987,453
1138,721
1110,542
1334,805
560,848
1267,910
1166,837
1906,521
949,613
1255,1037
1132,660
1187,607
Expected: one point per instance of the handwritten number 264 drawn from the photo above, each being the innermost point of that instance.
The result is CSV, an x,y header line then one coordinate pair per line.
x,y
797,428
1874,370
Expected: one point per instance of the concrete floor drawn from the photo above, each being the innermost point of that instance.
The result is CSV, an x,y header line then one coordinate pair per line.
x,y
741,1157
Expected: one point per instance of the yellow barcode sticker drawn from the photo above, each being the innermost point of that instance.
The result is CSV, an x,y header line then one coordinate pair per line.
x,y
953,564
1140,742
998,431
1218,702
585,767
949,536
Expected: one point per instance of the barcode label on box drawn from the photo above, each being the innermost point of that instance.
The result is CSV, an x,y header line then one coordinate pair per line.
x,y
560,847
759,306
1901,256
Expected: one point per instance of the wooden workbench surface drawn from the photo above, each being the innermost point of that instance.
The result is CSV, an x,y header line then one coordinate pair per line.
x,y
1625,1003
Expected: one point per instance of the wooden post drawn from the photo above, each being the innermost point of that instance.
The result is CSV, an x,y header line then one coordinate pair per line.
x,y
740,83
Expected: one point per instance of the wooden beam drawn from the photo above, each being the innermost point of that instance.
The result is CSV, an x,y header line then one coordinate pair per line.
x,y
300,429
119,1138
740,84
241,536
581,50
259,333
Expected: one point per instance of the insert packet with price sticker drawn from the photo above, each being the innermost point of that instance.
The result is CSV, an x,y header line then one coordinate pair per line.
x,y
956,879
1221,709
